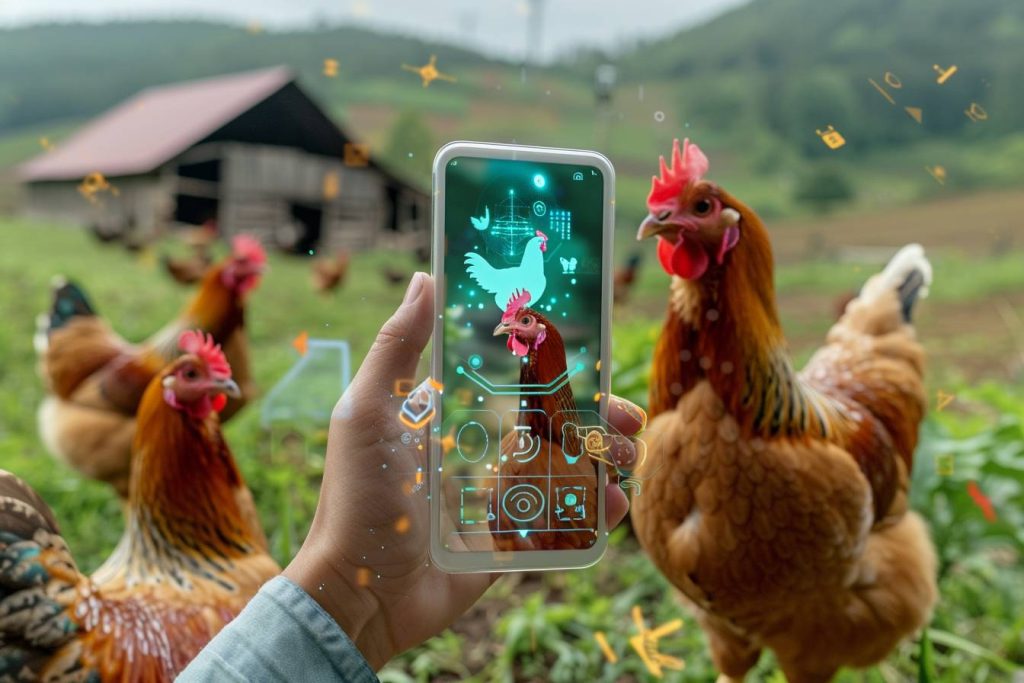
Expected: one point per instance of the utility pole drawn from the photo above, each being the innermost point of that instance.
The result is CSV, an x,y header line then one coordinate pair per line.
x,y
534,31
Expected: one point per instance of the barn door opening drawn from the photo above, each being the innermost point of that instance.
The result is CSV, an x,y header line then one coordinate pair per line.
x,y
198,189
309,219
393,218
194,210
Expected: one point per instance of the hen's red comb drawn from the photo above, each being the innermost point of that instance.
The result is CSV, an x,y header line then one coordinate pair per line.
x,y
249,248
203,346
687,167
516,303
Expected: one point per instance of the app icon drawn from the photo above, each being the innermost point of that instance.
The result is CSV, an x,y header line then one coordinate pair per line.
x,y
523,503
570,503
476,505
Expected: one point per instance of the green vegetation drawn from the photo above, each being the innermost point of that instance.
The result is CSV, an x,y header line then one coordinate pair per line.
x,y
541,626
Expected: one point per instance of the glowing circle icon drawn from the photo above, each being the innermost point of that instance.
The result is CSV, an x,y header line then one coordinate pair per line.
x,y
475,361
472,441
539,208
539,180
523,503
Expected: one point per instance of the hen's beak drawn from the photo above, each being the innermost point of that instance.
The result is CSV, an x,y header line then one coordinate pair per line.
x,y
502,328
227,386
651,226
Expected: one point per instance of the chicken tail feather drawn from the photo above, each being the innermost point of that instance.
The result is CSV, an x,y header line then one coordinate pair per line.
x,y
38,580
908,275
897,289
69,302
909,291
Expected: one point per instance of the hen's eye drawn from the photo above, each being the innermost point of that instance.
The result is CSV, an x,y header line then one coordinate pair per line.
x,y
526,320
702,207
191,374
664,214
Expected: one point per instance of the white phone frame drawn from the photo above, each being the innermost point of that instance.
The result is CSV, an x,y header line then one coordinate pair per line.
x,y
500,561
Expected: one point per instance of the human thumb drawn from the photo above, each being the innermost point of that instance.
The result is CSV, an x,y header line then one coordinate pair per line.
x,y
396,351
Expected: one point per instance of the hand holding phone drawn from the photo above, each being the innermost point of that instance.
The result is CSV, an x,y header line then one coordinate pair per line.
x,y
522,254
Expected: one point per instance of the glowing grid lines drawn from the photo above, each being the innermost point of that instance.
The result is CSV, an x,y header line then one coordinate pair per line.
x,y
522,389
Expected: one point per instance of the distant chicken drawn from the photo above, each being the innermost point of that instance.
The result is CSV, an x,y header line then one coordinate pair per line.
x,y
505,283
776,501
191,557
625,278
329,274
96,379
394,276
546,424
187,271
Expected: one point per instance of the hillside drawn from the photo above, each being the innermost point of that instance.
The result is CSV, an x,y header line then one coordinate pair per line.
x,y
751,86
799,64
75,70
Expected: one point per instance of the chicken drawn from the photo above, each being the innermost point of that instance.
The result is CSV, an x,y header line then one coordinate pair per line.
x,y
192,269
622,285
329,274
95,378
547,418
505,283
187,271
776,501
423,253
105,234
393,276
191,557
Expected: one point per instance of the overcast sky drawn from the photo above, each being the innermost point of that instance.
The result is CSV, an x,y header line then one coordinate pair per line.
x,y
497,27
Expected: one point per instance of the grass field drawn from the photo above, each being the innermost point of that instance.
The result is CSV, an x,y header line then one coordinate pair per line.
x,y
540,626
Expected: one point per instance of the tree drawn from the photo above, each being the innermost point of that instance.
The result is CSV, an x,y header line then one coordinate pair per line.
x,y
823,186
410,147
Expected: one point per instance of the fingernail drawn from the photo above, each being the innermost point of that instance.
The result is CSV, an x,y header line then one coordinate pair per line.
x,y
634,411
412,292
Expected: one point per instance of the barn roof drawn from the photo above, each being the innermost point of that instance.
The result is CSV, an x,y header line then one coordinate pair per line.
x,y
156,125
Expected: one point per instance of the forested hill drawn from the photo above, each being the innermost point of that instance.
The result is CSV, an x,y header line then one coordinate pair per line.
x,y
753,85
58,72
795,64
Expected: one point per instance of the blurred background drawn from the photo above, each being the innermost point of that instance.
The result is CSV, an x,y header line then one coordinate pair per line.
x,y
851,127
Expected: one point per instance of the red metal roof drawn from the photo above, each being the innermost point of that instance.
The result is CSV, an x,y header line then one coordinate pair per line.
x,y
154,126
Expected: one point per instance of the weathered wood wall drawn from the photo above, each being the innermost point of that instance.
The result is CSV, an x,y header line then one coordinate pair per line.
x,y
258,185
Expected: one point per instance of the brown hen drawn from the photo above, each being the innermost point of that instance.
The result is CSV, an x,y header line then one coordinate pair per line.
x,y
95,379
329,273
776,501
548,417
191,557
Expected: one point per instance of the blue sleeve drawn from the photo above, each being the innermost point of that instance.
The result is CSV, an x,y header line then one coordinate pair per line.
x,y
282,635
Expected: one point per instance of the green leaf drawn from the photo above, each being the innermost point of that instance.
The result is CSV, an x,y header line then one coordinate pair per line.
x,y
954,641
926,660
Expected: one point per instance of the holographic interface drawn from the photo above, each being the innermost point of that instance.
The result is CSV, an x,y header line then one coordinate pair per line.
x,y
522,336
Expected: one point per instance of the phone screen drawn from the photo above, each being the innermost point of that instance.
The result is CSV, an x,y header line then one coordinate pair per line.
x,y
521,431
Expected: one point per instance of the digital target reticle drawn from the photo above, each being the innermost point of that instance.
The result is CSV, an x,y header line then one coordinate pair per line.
x,y
526,502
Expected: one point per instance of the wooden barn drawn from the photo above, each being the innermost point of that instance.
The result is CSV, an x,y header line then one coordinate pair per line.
x,y
250,151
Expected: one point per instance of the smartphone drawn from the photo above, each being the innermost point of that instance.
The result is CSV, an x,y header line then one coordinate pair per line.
x,y
522,254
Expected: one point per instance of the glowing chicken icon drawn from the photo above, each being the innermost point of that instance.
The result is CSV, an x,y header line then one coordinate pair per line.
x,y
505,283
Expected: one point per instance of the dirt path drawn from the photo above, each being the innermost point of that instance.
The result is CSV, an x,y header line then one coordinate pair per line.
x,y
966,341
979,224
